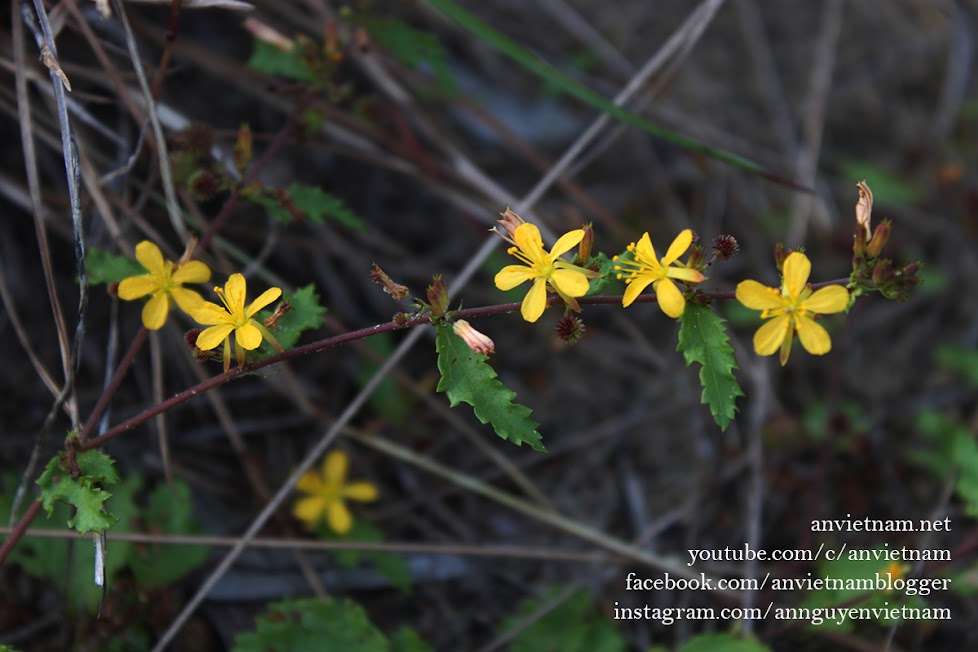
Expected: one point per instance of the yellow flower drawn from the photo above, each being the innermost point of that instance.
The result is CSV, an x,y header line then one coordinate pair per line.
x,y
567,280
327,490
164,282
648,268
234,317
792,308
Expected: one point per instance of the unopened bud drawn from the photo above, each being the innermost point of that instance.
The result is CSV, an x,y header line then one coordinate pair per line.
x,y
438,296
510,222
478,342
697,257
880,236
584,248
396,290
401,319
882,272
864,207
780,254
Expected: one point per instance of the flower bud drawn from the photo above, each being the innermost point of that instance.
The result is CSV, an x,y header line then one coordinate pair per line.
x,y
396,290
509,224
478,342
864,208
438,296
880,236
780,253
584,248
882,273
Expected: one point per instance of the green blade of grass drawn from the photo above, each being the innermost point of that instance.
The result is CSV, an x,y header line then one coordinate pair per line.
x,y
561,81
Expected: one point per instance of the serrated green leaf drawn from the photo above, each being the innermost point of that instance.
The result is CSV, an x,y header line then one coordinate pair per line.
x,y
81,488
306,315
703,339
574,626
272,60
466,377
310,625
414,48
314,203
103,267
169,512
723,643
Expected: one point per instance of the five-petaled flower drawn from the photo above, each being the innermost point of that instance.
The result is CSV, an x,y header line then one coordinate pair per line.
x,y
792,309
164,282
646,267
234,317
327,489
567,280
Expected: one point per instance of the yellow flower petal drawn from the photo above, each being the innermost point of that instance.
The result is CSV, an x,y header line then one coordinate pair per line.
x,y
309,509
634,289
813,336
213,336
571,283
527,238
338,517
685,274
645,252
248,336
759,297
362,491
334,468
769,337
512,275
150,257
235,291
670,298
535,301
566,242
265,298
192,272
310,483
828,300
136,287
188,300
155,311
797,268
209,313
678,247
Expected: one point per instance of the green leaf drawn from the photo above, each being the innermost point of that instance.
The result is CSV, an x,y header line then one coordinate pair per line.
x,y
168,512
722,643
962,360
414,48
466,377
312,626
952,449
312,202
703,339
306,315
103,267
272,60
573,626
407,640
604,265
80,487
559,80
